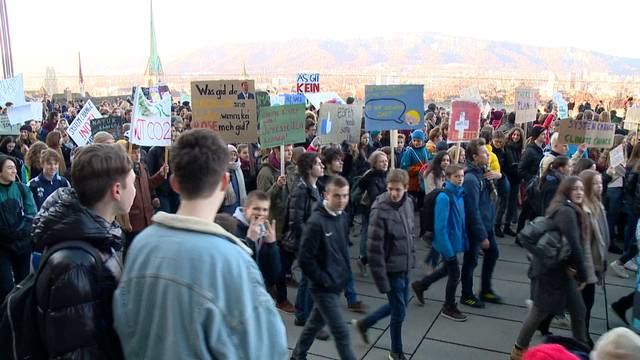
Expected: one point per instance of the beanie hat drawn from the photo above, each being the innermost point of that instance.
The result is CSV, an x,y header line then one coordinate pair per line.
x,y
375,133
418,134
617,344
26,128
442,146
549,352
537,130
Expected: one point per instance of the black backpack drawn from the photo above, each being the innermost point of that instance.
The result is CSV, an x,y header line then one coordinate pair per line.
x,y
19,332
543,240
428,212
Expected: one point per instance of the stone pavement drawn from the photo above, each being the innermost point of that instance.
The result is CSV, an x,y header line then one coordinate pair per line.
x,y
488,333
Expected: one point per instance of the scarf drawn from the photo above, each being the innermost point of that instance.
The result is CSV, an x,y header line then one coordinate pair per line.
x,y
274,161
230,195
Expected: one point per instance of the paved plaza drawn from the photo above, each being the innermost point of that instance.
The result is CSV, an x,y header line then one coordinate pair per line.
x,y
488,334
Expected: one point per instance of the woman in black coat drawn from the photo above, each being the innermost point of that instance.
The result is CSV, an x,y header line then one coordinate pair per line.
x,y
513,149
550,181
558,288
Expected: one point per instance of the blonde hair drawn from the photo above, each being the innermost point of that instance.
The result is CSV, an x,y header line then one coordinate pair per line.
x,y
375,157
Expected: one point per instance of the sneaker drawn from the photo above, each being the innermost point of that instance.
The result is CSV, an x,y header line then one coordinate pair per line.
x,y
498,231
529,304
618,269
286,306
358,307
631,265
397,356
362,267
507,231
453,313
473,302
620,311
417,289
322,335
362,330
491,297
561,321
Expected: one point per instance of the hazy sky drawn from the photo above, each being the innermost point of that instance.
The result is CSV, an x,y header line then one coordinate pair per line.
x,y
113,35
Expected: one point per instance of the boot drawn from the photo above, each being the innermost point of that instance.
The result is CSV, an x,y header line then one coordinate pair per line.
x,y
498,231
517,352
507,230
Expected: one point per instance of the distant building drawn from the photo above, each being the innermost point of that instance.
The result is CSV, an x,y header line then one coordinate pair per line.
x,y
153,74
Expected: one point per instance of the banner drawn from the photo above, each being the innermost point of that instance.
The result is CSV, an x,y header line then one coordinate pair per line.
x,y
592,133
228,107
282,125
150,121
6,128
393,107
12,90
339,123
525,105
19,114
308,83
616,156
465,121
80,127
110,124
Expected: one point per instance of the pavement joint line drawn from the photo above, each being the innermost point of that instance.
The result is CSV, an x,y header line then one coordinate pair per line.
x,y
426,333
467,346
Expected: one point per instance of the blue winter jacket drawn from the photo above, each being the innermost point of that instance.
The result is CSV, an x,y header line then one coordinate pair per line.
x,y
450,235
479,209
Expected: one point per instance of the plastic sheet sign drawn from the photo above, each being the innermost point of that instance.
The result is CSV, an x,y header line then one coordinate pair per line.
x,y
80,127
151,121
282,125
526,107
339,123
592,133
394,107
465,121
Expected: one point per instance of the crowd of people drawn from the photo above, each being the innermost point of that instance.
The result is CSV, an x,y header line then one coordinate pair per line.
x,y
189,251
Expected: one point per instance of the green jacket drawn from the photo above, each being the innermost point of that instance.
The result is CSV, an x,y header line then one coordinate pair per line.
x,y
266,182
17,210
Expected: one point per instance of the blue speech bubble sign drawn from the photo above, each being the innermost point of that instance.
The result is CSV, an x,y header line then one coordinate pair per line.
x,y
385,109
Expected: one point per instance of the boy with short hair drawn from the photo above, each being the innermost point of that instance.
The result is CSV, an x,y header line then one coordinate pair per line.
x,y
210,292
391,253
450,239
48,181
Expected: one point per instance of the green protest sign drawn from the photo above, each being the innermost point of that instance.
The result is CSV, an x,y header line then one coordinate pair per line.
x,y
110,124
281,125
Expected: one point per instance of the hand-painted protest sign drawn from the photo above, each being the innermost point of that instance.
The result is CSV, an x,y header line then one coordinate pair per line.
x,y
110,124
592,133
150,121
339,123
632,119
316,99
12,90
616,156
282,125
227,107
308,83
393,107
19,114
6,128
151,93
80,127
563,106
525,105
465,121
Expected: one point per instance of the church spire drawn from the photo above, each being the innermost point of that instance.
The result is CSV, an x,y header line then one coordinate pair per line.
x,y
154,73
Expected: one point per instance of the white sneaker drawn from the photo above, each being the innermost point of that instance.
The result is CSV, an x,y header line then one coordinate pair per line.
x,y
631,265
529,304
362,267
561,321
619,270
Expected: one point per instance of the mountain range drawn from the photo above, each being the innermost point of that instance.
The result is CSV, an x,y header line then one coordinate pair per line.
x,y
413,53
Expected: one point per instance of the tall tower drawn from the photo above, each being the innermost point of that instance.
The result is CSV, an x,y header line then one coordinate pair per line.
x,y
154,73
5,42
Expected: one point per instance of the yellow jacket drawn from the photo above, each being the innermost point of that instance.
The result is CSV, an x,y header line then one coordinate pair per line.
x,y
494,164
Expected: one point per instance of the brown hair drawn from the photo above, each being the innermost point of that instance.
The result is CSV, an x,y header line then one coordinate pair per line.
x,y
452,169
32,158
474,148
53,142
256,195
434,133
337,182
101,137
96,168
50,155
591,200
398,175
199,151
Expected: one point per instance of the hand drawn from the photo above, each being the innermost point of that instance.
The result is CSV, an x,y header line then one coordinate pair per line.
x,y
282,181
164,170
270,234
254,229
316,143
571,272
155,203
581,286
492,175
485,244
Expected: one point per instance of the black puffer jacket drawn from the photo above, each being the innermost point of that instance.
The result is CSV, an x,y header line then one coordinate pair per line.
x,y
301,202
529,165
374,183
73,296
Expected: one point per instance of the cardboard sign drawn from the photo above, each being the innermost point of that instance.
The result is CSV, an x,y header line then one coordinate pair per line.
x,y
110,124
393,107
80,127
12,90
525,105
228,107
616,156
465,121
339,123
151,121
282,125
308,83
6,128
592,133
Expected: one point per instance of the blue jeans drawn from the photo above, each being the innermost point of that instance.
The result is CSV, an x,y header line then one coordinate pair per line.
x,y
304,301
488,265
350,291
363,234
326,311
503,187
614,207
630,241
398,299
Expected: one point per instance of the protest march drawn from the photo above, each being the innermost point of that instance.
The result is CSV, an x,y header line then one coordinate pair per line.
x,y
239,218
